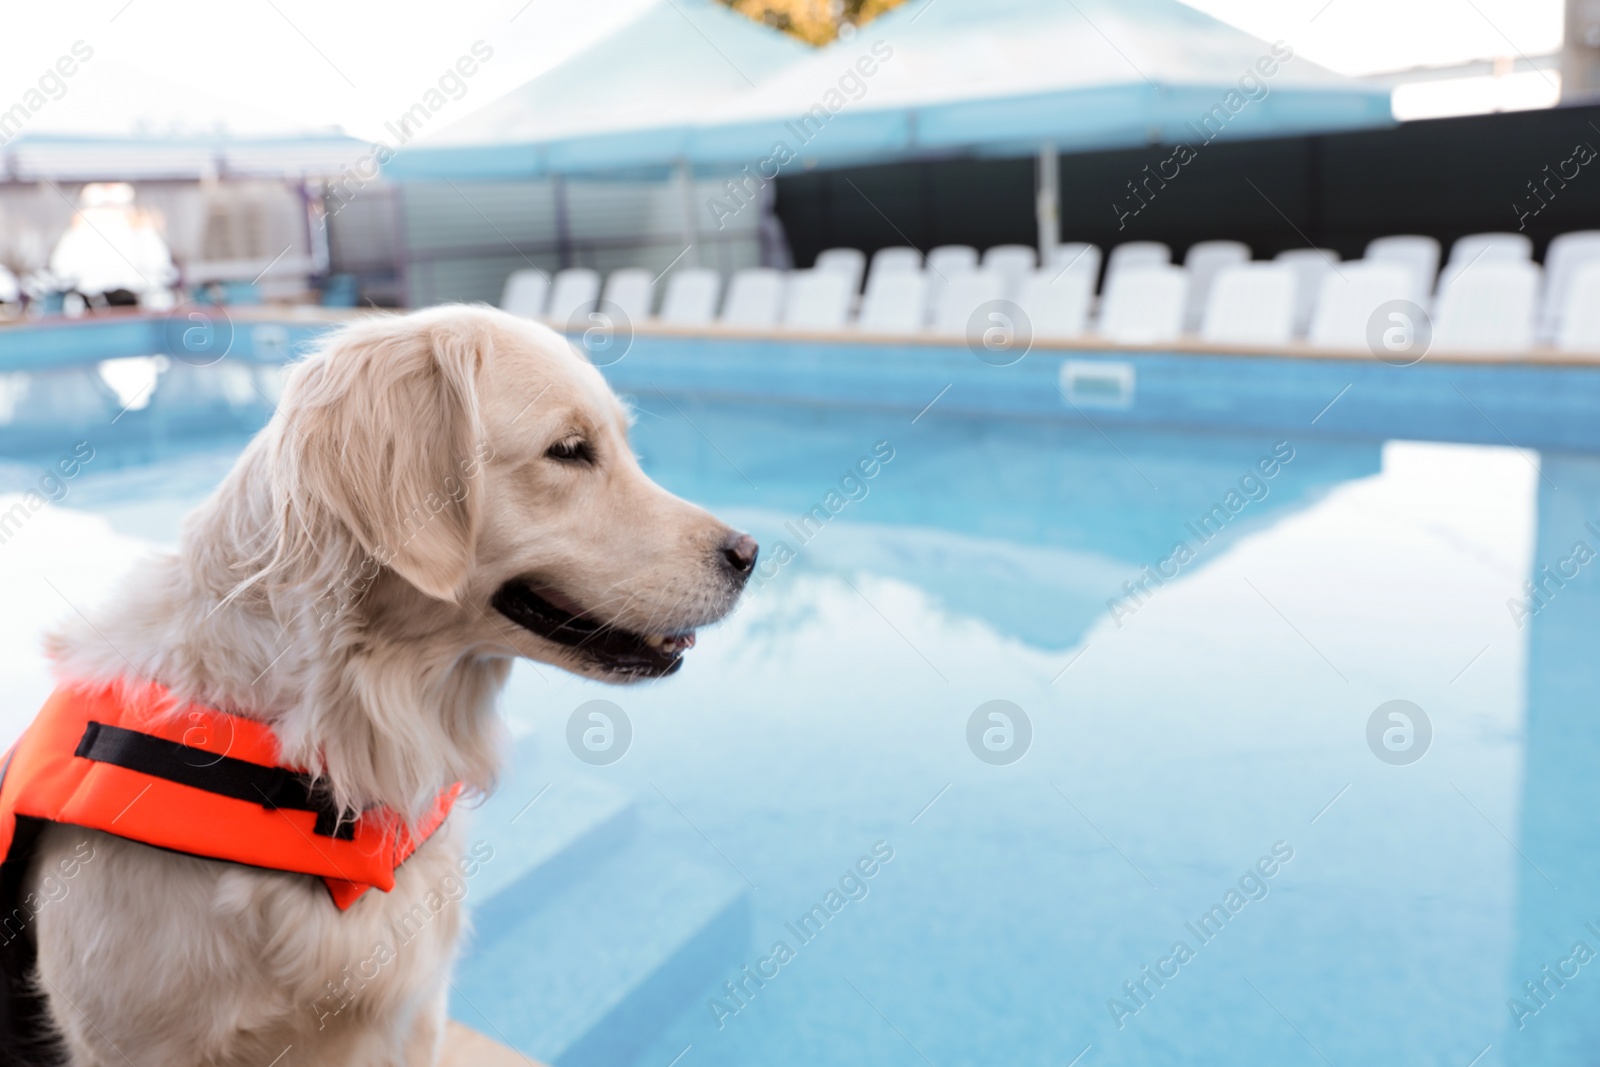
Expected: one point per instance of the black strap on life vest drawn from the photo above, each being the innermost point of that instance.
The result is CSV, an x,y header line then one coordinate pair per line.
x,y
272,787
25,1039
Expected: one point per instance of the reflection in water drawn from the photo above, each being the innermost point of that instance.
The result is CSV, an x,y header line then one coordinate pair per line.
x,y
1033,527
1553,988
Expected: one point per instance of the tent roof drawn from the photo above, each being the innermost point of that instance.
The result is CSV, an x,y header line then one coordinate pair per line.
x,y
71,157
670,66
953,50
949,77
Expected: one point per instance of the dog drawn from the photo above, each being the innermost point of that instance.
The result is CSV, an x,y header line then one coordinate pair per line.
x,y
437,494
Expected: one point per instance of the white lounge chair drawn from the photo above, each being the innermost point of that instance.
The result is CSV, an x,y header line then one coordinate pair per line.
x,y
526,293
1310,266
851,262
691,297
1144,305
891,261
1203,261
1139,254
1473,251
962,296
1580,319
1057,301
755,297
1488,307
1132,255
952,259
818,300
573,293
1076,256
1350,298
1487,246
895,304
1562,260
632,289
1251,304
1013,263
944,263
1417,254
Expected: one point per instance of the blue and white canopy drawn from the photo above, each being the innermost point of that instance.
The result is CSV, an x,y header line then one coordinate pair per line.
x,y
180,157
626,102
692,82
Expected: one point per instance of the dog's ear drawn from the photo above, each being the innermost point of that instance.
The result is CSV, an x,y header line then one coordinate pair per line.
x,y
385,435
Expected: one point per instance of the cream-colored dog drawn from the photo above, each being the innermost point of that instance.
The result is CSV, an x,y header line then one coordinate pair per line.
x,y
437,494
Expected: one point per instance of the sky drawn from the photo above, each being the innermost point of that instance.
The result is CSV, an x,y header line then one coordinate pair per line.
x,y
261,66
1368,36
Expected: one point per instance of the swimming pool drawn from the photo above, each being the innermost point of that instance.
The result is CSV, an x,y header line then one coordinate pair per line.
x,y
1189,754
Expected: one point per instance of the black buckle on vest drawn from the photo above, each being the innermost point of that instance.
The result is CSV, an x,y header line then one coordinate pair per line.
x,y
274,788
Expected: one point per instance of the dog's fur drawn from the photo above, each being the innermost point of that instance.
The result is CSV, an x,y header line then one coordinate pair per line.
x,y
338,585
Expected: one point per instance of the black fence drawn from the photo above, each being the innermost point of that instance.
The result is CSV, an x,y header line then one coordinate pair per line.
x,y
1537,171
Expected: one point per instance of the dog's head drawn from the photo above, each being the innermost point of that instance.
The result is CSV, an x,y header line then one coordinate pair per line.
x,y
477,458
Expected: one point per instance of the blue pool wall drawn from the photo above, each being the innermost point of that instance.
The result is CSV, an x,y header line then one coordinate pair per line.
x,y
1536,405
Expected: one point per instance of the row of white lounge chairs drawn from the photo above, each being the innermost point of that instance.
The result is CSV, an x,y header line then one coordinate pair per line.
x,y
1489,297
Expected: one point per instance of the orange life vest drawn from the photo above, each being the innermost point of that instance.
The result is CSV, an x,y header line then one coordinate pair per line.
x,y
122,760
199,781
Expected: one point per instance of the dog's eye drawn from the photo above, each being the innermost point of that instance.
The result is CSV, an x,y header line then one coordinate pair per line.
x,y
571,450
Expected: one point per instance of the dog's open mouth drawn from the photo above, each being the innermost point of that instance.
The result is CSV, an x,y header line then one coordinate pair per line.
x,y
614,649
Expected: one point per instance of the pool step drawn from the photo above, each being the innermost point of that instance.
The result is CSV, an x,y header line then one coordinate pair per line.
x,y
546,830
581,965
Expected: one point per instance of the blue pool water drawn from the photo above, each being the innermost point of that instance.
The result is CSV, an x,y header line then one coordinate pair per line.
x,y
1183,742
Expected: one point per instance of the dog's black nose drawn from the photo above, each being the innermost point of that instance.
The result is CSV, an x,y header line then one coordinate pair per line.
x,y
740,551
